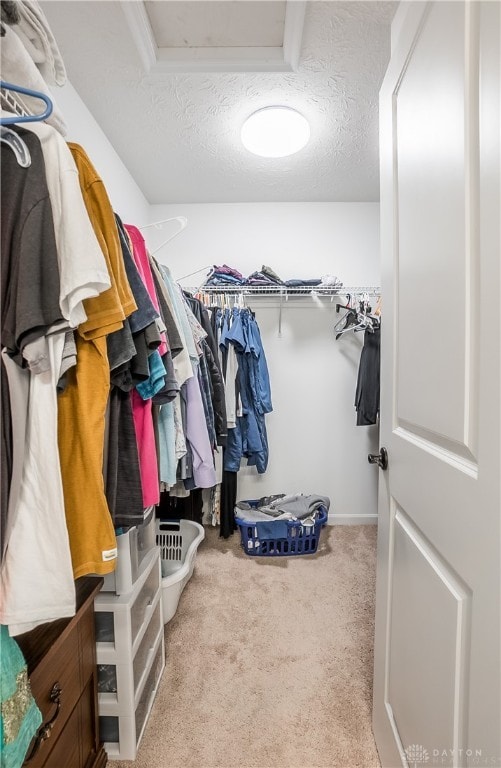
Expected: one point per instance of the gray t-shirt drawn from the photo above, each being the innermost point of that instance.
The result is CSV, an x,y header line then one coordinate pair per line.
x,y
30,273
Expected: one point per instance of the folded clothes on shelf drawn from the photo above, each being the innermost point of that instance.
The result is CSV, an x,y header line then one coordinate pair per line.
x,y
266,277
225,275
226,270
217,279
331,281
297,282
259,278
270,274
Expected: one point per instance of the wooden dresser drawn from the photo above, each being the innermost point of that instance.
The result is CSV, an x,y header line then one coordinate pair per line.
x,y
61,658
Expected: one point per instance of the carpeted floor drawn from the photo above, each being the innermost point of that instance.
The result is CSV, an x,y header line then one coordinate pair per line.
x,y
269,660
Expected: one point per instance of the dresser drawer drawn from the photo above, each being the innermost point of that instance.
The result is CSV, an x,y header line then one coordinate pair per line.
x,y
67,750
61,667
60,671
87,645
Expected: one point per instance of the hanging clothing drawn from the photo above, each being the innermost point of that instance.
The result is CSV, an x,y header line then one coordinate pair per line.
x,y
249,438
29,269
124,492
228,501
145,435
82,405
81,428
368,379
106,312
204,474
210,353
142,263
82,268
142,406
37,575
34,522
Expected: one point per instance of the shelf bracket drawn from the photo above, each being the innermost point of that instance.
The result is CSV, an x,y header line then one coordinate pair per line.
x,y
280,312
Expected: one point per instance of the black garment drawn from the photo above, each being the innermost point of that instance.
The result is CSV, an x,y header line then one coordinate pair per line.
x,y
367,394
120,346
206,391
175,508
6,449
185,463
30,270
218,318
228,501
215,373
124,492
9,13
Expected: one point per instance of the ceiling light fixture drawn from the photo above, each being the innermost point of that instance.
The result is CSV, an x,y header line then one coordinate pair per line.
x,y
275,132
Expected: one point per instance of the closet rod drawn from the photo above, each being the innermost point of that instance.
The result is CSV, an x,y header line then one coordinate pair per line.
x,y
286,291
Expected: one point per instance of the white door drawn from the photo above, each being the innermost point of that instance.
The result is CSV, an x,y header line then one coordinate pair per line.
x,y
437,672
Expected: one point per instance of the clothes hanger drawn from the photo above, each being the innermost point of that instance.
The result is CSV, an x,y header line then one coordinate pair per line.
x,y
183,221
350,320
10,137
17,119
364,324
18,146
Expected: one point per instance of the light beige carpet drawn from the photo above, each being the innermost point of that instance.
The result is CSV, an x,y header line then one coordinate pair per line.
x,y
269,660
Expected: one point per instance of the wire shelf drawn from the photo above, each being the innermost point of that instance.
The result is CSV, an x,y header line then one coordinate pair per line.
x,y
286,291
13,103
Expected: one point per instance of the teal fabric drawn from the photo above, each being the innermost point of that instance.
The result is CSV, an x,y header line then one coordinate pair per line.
x,y
167,444
20,717
149,388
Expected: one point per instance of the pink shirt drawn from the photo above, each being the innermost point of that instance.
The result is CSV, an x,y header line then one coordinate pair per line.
x,y
146,448
142,409
143,265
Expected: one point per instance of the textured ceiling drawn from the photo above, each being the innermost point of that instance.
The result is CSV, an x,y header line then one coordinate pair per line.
x,y
178,134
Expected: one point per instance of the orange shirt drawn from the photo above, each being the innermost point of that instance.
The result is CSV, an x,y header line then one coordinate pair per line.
x,y
82,404
106,312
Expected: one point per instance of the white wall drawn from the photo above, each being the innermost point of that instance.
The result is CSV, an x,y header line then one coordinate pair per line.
x,y
315,445
126,197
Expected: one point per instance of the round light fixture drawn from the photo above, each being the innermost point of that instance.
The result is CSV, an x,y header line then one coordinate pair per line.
x,y
275,132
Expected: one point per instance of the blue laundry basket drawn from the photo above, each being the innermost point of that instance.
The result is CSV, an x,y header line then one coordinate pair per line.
x,y
292,537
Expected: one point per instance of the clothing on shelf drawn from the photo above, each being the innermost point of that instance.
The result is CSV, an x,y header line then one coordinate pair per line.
x,y
225,276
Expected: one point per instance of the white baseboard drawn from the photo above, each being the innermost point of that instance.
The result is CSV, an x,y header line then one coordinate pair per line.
x,y
352,520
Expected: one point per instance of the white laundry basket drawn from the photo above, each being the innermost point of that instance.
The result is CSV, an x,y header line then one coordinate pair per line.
x,y
178,541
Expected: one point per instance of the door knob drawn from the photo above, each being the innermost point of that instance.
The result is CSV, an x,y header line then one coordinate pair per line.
x,y
381,459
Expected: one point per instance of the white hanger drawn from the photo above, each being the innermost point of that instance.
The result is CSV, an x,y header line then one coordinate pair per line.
x,y
183,221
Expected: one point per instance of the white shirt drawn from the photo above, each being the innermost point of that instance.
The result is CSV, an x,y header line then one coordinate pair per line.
x,y
82,268
36,572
